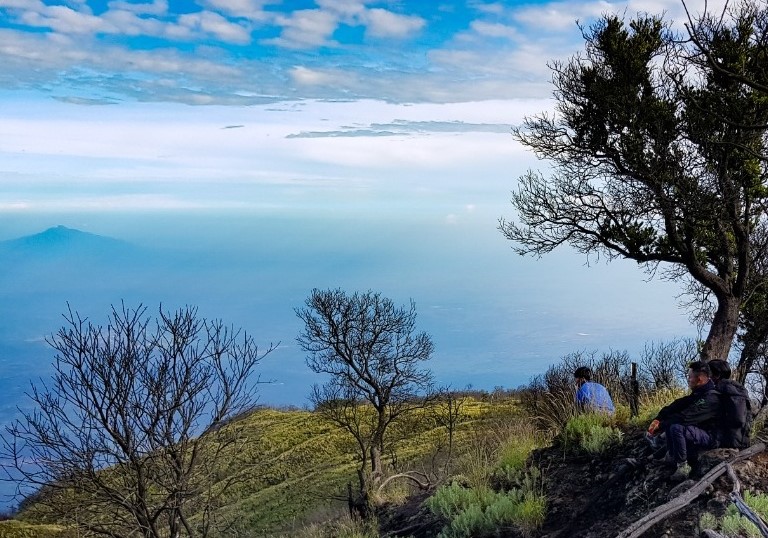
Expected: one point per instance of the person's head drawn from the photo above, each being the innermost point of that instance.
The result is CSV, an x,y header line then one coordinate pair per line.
x,y
698,374
719,369
582,375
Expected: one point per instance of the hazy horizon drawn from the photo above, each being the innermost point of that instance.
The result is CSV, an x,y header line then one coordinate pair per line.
x,y
496,318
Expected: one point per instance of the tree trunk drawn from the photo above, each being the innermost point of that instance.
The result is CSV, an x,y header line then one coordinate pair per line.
x,y
376,471
722,330
746,360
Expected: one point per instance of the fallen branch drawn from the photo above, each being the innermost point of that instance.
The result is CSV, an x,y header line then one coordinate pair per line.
x,y
742,507
413,476
639,527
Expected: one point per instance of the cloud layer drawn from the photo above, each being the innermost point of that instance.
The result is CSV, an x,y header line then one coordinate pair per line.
x,y
242,52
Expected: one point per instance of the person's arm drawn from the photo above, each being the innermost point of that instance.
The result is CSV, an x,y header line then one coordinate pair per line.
x,y
669,412
702,410
582,398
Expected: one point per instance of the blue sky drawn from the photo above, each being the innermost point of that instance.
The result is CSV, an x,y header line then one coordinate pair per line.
x,y
269,105
117,116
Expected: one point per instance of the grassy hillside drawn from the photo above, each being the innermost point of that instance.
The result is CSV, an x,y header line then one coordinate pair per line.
x,y
300,464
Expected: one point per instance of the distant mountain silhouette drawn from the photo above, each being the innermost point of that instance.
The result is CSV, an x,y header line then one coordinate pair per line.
x,y
62,240
64,259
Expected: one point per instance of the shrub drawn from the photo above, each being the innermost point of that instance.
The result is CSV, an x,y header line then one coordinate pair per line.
x,y
531,513
733,524
471,522
663,365
737,525
707,520
479,512
500,448
451,500
514,453
757,502
512,456
550,397
652,402
591,432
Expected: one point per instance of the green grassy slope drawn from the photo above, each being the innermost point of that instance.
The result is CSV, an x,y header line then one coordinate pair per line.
x,y
300,462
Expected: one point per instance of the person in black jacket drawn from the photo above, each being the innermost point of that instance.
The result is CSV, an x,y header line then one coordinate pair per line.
x,y
690,423
736,409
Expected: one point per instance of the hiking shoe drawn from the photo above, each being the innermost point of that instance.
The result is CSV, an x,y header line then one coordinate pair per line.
x,y
681,473
696,472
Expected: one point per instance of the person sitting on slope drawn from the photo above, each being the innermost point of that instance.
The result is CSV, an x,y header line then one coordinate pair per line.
x,y
690,423
591,396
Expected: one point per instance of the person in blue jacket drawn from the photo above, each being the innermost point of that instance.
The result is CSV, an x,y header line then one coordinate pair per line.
x,y
591,396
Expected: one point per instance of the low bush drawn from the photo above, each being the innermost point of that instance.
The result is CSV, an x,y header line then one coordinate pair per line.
x,y
590,432
733,524
477,512
499,448
707,520
661,367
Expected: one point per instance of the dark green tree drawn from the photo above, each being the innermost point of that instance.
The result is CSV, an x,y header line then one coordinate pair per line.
x,y
373,359
657,147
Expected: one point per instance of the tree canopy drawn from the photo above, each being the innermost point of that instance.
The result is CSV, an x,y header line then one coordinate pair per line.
x,y
658,154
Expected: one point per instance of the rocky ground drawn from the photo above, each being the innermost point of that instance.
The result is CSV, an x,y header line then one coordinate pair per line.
x,y
600,496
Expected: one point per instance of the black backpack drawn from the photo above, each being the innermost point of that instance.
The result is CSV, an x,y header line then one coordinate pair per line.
x,y
735,415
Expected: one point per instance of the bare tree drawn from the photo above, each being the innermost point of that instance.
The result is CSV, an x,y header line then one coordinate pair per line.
x,y
448,411
368,349
126,438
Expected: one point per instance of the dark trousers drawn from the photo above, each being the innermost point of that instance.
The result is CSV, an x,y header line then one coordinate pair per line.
x,y
685,442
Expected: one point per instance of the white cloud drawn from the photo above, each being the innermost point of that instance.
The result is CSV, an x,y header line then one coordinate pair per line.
x,y
252,10
208,22
493,29
305,28
494,8
130,23
65,20
32,5
557,16
503,53
155,7
171,156
305,76
383,23
348,9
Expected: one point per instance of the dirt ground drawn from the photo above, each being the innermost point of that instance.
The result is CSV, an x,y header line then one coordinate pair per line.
x,y
598,497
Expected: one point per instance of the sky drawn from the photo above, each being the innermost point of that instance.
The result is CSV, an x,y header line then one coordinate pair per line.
x,y
266,105
384,125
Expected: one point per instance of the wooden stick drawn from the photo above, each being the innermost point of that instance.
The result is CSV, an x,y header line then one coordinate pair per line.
x,y
745,510
639,527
